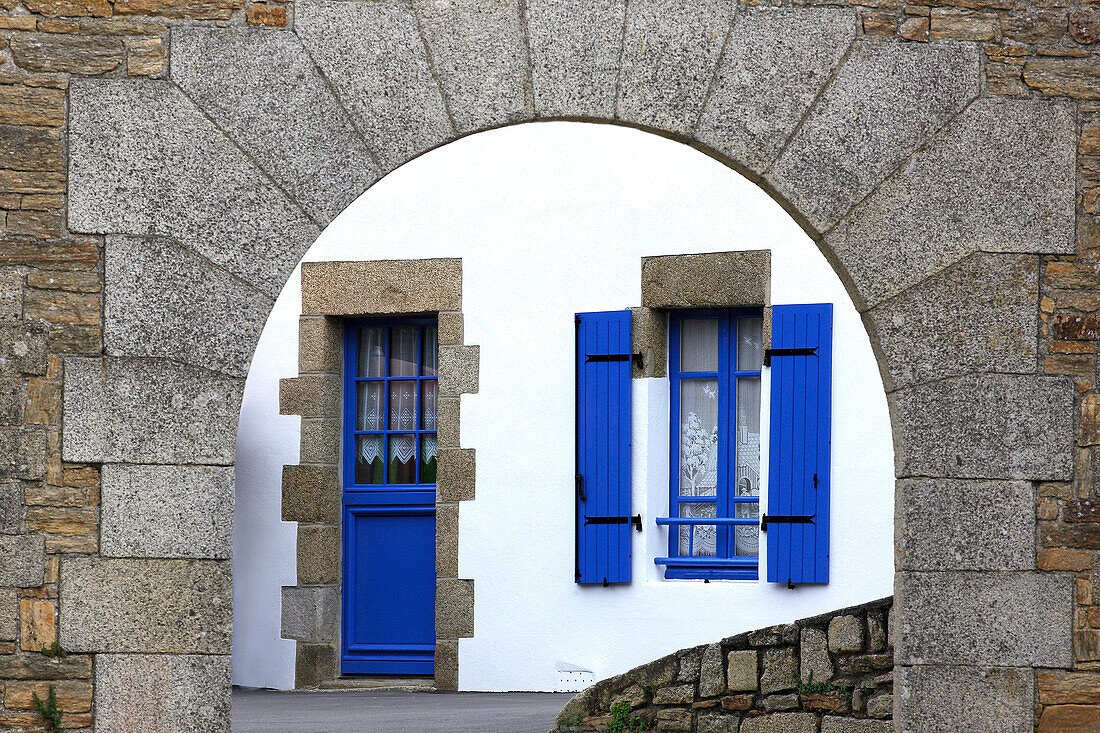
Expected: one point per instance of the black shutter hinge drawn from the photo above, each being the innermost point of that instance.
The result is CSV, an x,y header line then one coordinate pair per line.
x,y
576,574
636,520
580,488
605,583
637,359
769,353
785,519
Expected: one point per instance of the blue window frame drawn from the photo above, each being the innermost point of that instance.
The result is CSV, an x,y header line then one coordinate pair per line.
x,y
715,359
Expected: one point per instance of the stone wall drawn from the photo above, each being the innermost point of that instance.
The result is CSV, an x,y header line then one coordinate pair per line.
x,y
831,673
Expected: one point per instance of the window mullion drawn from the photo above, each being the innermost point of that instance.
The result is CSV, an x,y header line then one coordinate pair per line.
x,y
725,349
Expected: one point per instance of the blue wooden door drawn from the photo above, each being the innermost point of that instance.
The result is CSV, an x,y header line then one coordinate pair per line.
x,y
390,395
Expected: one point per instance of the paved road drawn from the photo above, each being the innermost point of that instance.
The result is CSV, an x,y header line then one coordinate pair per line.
x,y
391,711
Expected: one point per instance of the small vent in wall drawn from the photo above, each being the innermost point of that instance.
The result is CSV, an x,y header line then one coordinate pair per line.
x,y
572,678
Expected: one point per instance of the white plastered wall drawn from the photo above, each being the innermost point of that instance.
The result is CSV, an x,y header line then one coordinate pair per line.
x,y
551,219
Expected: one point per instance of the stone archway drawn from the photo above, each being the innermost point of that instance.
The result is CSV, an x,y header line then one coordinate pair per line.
x,y
934,200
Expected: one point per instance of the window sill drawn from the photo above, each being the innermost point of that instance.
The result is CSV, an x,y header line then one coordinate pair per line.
x,y
709,568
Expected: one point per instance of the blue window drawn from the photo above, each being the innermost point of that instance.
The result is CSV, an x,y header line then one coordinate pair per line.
x,y
715,358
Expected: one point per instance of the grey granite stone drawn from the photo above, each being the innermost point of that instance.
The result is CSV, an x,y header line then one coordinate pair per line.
x,y
712,672
780,670
166,511
311,613
311,494
446,664
315,664
373,55
9,614
776,63
381,287
741,671
649,334
876,631
446,540
22,560
773,703
781,723
718,279
320,344
458,369
717,723
22,452
164,300
834,724
320,440
941,524
455,474
144,160
881,705
12,400
148,411
816,665
575,51
985,426
1000,177
454,608
983,618
169,606
670,51
448,422
263,90
479,53
690,659
885,100
23,348
318,555
675,695
311,395
977,316
963,698
156,693
846,634
12,507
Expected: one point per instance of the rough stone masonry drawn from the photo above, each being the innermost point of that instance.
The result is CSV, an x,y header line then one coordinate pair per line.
x,y
164,163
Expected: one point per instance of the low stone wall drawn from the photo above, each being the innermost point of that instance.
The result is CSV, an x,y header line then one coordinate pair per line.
x,y
831,673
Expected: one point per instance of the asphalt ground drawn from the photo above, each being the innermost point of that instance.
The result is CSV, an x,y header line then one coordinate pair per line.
x,y
395,711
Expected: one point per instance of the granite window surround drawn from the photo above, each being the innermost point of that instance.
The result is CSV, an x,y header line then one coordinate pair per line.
x,y
312,490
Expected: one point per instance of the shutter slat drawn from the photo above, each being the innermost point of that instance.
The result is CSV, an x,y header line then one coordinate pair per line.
x,y
603,446
800,436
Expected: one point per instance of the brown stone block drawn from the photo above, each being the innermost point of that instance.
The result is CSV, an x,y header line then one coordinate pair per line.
x,y
387,286
1069,719
1080,301
144,56
1072,347
1088,428
42,202
59,306
43,405
61,544
266,14
128,26
914,29
318,555
881,23
1072,275
77,475
311,494
72,281
1083,592
69,8
1060,559
1047,509
319,345
1069,327
1078,536
1086,644
73,696
28,106
37,624
1064,77
51,52
737,702
455,475
34,223
57,496
68,339
17,22
1034,26
38,667
835,702
61,521
1082,510
1084,25
79,254
30,148
311,395
949,24
1071,364
30,181
194,9
50,25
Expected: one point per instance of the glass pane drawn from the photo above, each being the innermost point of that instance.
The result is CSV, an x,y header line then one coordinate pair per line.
x,y
750,343
747,451
368,409
372,352
427,404
699,345
402,469
403,351
427,459
431,352
699,437
368,459
402,406
705,534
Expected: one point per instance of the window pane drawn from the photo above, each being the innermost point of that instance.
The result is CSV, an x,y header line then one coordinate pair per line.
x,y
706,535
431,352
402,468
698,437
403,352
699,345
402,405
427,405
368,409
372,352
368,459
750,343
747,447
427,459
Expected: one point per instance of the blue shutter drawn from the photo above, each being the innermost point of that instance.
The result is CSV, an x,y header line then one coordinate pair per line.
x,y
603,447
799,446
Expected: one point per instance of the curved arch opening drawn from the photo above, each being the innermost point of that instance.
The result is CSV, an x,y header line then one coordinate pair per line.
x,y
552,219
